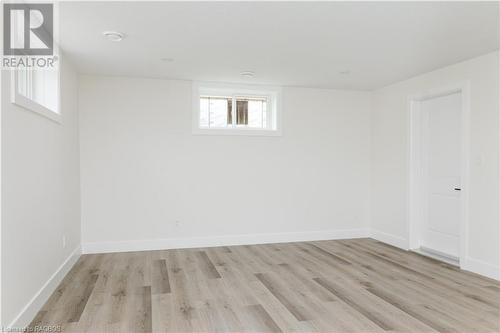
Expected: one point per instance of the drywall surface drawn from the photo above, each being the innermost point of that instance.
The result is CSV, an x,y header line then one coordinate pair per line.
x,y
148,182
390,157
40,196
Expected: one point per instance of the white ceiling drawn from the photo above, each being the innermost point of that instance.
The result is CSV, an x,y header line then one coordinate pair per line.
x,y
284,43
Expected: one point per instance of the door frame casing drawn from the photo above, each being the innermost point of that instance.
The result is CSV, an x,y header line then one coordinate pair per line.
x,y
417,195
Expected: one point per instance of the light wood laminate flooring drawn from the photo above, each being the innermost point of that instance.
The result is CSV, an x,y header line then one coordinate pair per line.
x,y
358,285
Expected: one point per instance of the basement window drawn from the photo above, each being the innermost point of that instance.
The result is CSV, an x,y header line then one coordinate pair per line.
x,y
235,109
37,90
35,80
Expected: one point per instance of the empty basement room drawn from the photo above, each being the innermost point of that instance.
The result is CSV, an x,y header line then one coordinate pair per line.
x,y
250,167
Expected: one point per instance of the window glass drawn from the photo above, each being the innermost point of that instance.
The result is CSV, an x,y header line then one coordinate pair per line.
x,y
217,112
39,85
251,112
239,110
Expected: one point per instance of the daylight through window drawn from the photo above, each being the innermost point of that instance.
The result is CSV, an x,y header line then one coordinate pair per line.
x,y
237,109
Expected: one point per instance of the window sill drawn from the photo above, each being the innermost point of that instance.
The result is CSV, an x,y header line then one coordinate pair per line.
x,y
28,104
238,131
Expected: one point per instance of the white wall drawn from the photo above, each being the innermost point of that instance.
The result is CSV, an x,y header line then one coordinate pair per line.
x,y
390,158
142,169
40,199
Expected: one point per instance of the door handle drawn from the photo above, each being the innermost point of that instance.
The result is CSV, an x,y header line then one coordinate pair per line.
x,y
457,189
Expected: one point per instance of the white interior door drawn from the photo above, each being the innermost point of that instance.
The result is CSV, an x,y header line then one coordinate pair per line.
x,y
442,163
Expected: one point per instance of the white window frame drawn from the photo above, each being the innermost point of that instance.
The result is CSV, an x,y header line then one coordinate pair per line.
x,y
272,93
29,104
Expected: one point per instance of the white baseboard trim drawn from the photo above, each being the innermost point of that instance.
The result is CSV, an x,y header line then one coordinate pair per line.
x,y
396,241
180,243
30,310
482,268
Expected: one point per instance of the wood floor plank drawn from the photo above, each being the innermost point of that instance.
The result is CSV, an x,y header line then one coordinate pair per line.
x,y
38,320
160,283
81,301
358,285
262,321
162,317
226,249
346,299
92,319
208,266
282,297
185,316
329,254
440,326
306,280
142,319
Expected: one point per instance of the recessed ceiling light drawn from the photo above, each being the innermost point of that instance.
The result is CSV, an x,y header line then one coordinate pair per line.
x,y
113,36
167,59
247,74
345,72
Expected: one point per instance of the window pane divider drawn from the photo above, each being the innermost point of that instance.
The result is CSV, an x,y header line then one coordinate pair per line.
x,y
233,111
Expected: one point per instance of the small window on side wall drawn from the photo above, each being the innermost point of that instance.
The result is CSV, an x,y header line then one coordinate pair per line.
x,y
236,109
37,89
35,66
